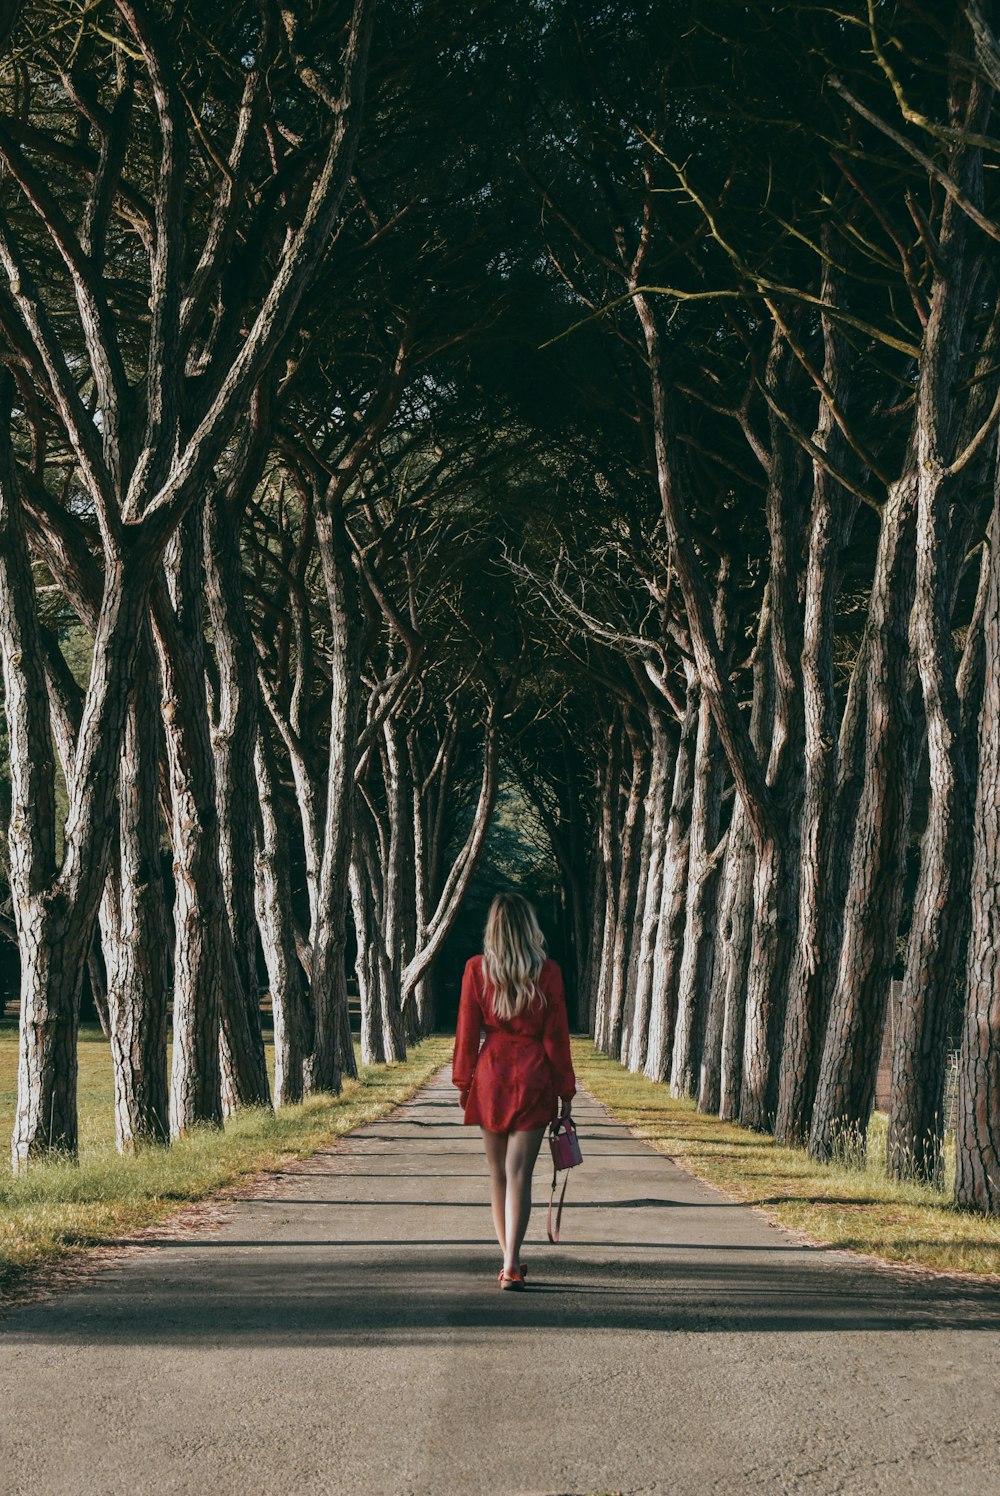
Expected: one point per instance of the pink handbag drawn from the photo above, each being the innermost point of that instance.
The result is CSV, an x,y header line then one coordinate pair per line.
x,y
565,1146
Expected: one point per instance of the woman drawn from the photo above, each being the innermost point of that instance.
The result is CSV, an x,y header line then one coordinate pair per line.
x,y
511,1088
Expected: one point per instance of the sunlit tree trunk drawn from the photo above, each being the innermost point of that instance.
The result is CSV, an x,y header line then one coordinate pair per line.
x,y
657,812
136,947
977,1126
695,976
809,983
670,937
871,912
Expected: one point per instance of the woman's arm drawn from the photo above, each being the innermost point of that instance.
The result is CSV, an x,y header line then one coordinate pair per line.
x,y
556,1040
470,1021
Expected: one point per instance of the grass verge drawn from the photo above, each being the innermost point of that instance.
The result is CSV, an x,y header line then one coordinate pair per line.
x,y
56,1209
857,1208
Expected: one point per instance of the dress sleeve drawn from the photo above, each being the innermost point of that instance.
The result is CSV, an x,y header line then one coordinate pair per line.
x,y
470,1020
556,1038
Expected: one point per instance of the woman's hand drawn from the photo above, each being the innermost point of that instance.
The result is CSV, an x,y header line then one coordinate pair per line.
x,y
567,1110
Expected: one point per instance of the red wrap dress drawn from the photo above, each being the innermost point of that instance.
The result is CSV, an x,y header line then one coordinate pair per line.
x,y
514,1082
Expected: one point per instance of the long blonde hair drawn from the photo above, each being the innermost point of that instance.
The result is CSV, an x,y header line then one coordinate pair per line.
x,y
513,952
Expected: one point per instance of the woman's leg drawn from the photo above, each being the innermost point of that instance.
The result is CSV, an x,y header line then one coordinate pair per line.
x,y
495,1144
522,1150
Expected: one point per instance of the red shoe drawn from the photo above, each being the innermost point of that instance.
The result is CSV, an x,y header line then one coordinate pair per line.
x,y
514,1279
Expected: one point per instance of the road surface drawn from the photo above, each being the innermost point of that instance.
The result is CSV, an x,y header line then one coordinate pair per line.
x,y
346,1334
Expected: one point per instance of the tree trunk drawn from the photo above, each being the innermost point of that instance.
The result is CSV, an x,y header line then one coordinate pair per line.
x,y
610,830
722,1051
736,918
657,812
276,923
871,912
629,837
333,1050
940,907
670,939
776,873
211,1015
56,909
833,511
372,1034
234,743
695,977
977,1127
136,947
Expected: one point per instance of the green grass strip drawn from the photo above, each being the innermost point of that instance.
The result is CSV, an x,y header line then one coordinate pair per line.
x,y
56,1208
852,1205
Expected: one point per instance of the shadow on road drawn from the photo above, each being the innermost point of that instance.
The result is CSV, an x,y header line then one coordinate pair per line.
x,y
313,1293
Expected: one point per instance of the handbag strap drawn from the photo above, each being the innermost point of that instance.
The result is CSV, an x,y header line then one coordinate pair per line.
x,y
553,1235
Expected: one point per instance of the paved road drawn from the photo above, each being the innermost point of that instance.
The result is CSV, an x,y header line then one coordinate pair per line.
x,y
347,1335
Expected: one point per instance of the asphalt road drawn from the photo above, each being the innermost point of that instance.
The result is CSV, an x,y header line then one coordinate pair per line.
x,y
346,1334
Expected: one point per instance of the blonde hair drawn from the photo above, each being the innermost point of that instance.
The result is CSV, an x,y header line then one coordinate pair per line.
x,y
513,953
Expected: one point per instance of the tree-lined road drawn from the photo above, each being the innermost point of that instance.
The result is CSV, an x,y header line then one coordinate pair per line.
x,y
346,1334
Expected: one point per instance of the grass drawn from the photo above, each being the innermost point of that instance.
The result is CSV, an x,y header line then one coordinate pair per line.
x,y
57,1208
854,1207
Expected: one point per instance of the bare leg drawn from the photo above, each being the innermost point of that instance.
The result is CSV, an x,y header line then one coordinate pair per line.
x,y
522,1150
495,1144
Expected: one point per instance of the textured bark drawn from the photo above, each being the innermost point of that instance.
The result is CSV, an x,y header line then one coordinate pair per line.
x,y
736,918
871,912
333,1051
55,909
136,927
211,1013
597,905
722,1052
670,939
140,477
940,907
607,914
657,812
704,857
636,924
234,742
372,1034
276,922
629,838
977,1128
463,868
833,511
775,875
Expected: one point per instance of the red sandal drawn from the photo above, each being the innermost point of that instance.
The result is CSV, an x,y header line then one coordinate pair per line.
x,y
514,1280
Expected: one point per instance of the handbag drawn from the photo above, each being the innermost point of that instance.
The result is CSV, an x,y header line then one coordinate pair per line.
x,y
565,1147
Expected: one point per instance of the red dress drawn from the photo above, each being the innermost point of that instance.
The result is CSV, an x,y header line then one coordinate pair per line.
x,y
515,1081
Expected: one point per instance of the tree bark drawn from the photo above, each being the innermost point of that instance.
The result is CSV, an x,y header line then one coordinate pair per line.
x,y
276,923
333,1050
940,907
657,812
833,511
776,871
234,743
977,1127
871,912
670,939
736,917
695,976
211,1015
136,947
629,837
